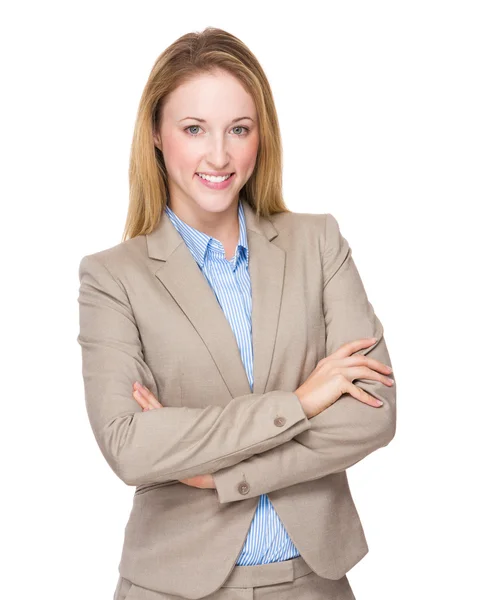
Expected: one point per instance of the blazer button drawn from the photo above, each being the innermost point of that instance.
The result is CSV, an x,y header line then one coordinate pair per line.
x,y
243,487
279,421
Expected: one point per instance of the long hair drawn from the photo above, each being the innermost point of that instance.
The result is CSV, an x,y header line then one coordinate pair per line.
x,y
190,55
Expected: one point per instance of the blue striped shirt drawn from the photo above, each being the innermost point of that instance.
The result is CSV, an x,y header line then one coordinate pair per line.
x,y
267,540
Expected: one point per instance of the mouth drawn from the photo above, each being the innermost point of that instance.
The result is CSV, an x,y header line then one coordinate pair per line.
x,y
216,182
210,176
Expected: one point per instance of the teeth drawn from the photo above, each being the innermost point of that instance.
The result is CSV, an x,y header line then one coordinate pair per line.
x,y
212,178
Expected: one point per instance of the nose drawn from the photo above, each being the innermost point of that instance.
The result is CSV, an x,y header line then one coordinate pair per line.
x,y
217,154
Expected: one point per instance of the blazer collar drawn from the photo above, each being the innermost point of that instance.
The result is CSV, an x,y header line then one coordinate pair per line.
x,y
179,273
199,243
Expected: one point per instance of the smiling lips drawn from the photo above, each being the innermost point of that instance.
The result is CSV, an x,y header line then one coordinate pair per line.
x,y
214,178
216,183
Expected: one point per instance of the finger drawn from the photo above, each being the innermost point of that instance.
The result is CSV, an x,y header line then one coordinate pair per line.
x,y
148,396
362,372
378,366
153,401
362,396
198,481
141,401
192,481
351,347
372,363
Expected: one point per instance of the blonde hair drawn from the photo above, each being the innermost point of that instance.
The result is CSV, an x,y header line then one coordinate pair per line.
x,y
192,54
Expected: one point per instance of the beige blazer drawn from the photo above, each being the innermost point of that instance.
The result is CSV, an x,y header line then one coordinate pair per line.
x,y
147,313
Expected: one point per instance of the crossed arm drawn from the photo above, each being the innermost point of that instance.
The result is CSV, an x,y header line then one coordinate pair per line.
x,y
348,430
161,446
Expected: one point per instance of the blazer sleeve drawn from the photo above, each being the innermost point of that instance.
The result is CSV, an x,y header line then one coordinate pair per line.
x,y
348,430
170,443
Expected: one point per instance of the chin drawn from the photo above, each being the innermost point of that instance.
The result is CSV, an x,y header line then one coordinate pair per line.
x,y
213,202
215,206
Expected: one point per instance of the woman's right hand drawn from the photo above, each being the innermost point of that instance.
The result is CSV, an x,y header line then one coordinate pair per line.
x,y
334,376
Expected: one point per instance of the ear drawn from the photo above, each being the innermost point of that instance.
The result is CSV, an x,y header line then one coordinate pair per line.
x,y
157,140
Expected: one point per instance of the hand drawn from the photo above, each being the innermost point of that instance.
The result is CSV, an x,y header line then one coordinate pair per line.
x,y
200,481
146,399
334,376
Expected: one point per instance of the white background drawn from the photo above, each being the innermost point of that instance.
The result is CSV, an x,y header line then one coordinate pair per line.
x,y
382,107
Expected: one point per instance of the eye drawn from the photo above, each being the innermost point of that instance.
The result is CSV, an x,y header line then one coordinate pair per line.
x,y
198,127
242,127
191,126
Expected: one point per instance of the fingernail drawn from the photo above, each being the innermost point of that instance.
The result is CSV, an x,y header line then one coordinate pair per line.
x,y
379,403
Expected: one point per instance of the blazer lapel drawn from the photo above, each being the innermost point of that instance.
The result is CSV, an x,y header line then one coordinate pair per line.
x,y
177,270
266,267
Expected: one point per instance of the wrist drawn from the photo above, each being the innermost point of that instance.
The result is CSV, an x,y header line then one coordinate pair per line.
x,y
302,399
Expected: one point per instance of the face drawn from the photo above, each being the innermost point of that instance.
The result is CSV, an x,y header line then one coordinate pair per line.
x,y
208,124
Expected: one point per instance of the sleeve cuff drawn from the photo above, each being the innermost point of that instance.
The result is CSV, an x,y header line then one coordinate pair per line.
x,y
231,483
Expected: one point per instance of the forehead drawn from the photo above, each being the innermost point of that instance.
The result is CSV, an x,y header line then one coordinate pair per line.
x,y
210,96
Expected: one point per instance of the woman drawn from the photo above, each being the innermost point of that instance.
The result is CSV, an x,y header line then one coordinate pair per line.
x,y
221,341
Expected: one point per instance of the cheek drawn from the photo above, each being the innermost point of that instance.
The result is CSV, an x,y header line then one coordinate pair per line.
x,y
248,155
178,155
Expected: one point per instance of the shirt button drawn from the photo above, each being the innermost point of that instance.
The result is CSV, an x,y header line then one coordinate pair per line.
x,y
243,487
279,421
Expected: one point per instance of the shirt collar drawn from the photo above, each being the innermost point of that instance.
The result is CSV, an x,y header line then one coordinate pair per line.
x,y
200,243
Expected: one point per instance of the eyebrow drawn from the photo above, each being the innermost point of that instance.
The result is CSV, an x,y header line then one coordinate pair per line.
x,y
203,121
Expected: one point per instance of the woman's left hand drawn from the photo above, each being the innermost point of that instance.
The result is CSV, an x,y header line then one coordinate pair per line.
x,y
147,401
